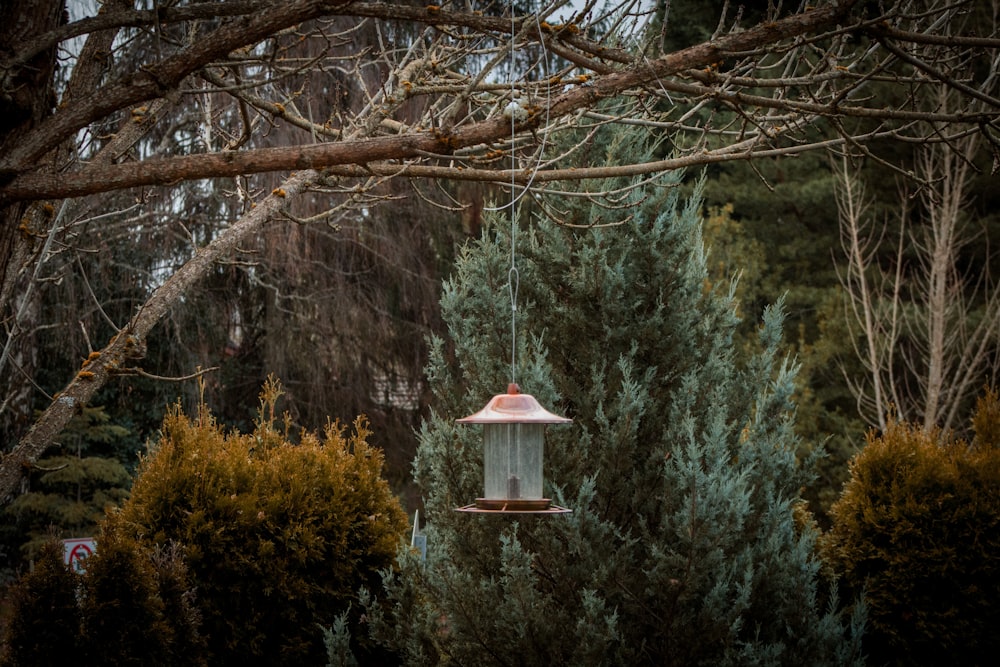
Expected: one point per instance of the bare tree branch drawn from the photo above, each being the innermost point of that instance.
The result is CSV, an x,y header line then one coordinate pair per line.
x,y
911,321
240,88
159,79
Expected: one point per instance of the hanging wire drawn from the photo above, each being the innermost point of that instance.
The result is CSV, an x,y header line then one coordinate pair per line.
x,y
513,279
513,107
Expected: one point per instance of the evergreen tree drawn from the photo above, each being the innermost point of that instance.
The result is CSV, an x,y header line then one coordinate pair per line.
x,y
683,546
73,486
276,536
124,621
917,530
44,626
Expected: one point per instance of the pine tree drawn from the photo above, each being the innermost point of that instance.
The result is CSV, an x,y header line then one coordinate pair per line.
x,y
73,486
683,546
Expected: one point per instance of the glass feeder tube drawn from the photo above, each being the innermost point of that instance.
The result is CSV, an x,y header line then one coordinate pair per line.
x,y
513,445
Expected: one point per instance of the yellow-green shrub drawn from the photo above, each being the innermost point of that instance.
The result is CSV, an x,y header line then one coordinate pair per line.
x,y
124,619
44,621
917,528
277,536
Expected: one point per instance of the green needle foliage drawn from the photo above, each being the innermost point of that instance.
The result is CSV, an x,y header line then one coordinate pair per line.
x,y
918,530
73,486
683,546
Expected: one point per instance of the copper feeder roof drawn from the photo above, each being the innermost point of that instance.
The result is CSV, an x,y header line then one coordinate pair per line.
x,y
513,408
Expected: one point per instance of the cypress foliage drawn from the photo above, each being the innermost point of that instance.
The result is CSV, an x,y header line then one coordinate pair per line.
x,y
124,622
186,645
44,627
680,466
277,536
917,530
130,607
232,550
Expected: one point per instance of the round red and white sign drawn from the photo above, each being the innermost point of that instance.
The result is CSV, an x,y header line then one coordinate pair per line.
x,y
77,551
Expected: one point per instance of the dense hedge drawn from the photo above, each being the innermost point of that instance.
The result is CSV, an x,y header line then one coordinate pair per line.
x,y
44,628
278,537
917,529
232,550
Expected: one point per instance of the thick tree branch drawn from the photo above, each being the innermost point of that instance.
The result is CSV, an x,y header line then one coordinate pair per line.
x,y
171,71
157,80
125,18
363,161
129,344
366,152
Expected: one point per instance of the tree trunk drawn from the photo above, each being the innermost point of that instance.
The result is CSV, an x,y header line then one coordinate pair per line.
x,y
26,99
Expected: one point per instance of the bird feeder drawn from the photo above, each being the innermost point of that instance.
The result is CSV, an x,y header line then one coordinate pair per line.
x,y
513,441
